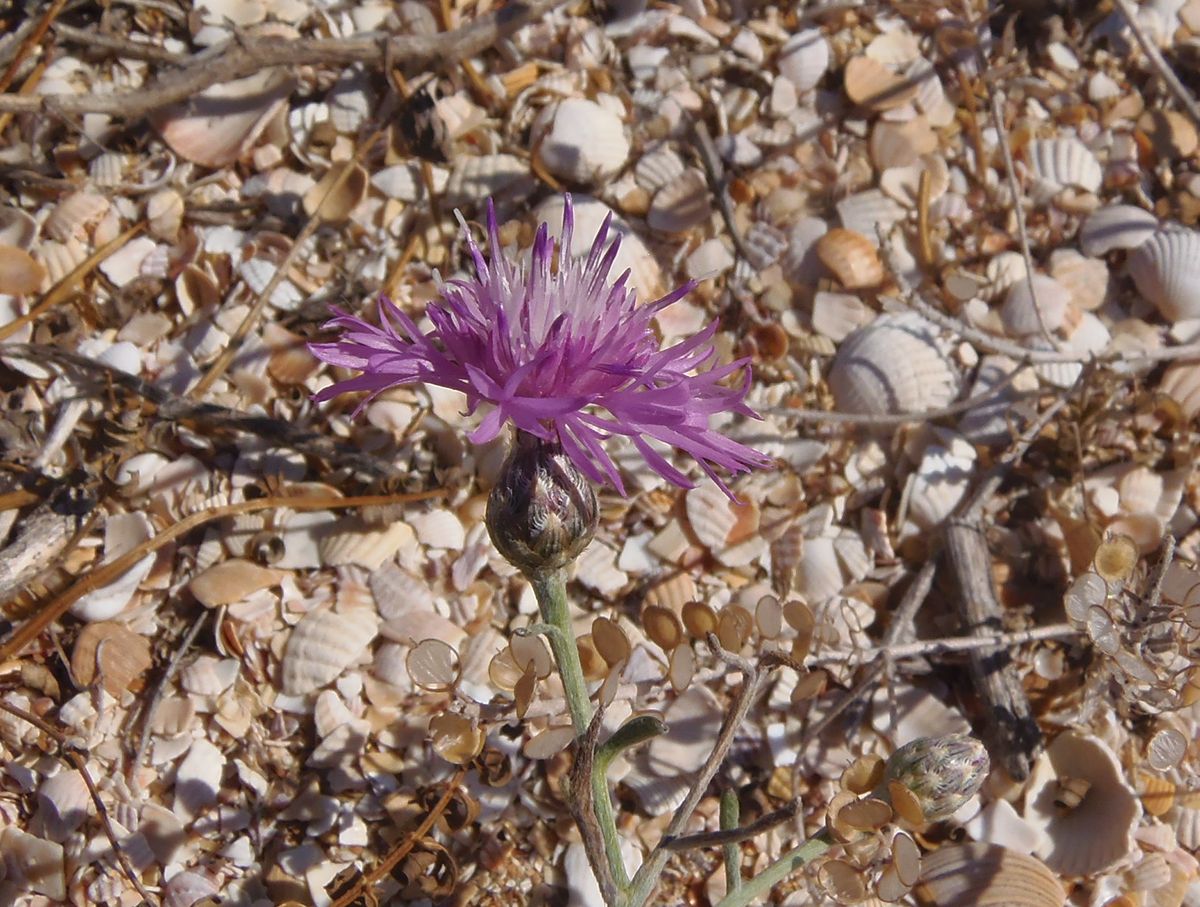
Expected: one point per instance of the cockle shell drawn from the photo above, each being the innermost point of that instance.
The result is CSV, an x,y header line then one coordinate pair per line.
x,y
63,805
895,365
1066,162
74,214
681,204
1166,269
977,874
658,168
804,58
1116,227
586,142
869,212
852,258
323,645
1020,312
1087,279
1097,834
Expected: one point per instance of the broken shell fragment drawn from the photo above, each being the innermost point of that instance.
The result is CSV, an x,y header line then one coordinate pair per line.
x,y
852,258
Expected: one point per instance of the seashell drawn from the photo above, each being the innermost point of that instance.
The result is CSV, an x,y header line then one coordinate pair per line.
x,y
904,183
656,793
1087,279
1004,271
195,290
498,175
108,170
804,58
123,532
1116,227
125,265
1181,382
901,144
837,315
693,719
74,214
895,48
332,200
33,864
208,675
1019,314
852,258
218,126
112,654
870,212
164,212
232,581
17,228
323,645
351,542
940,483
198,779
20,272
63,805
645,272
586,143
801,266
1166,270
189,888
1061,163
1098,833
974,874
909,712
894,365
998,823
871,84
658,168
682,204
1171,133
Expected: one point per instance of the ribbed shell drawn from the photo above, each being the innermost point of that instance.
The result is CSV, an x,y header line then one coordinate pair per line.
x,y
895,365
1116,227
974,874
1059,163
1166,269
323,645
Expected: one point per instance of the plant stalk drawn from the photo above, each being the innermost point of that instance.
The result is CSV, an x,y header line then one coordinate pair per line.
x,y
764,881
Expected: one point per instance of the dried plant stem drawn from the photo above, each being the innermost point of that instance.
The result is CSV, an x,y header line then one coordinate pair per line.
x,y
107,573
764,881
31,40
753,679
243,56
1176,87
160,689
924,648
734,835
550,588
69,752
389,862
729,816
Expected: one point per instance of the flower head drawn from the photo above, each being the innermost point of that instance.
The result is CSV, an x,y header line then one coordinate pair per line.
x,y
563,353
943,772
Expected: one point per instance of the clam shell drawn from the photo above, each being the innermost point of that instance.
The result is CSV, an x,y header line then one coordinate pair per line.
x,y
20,272
872,84
852,258
499,175
1087,279
74,214
198,779
323,645
658,168
804,58
232,581
1098,833
164,211
333,201
1166,269
1116,227
870,211
586,143
682,204
977,874
940,483
63,805
1019,314
1061,163
895,365
901,144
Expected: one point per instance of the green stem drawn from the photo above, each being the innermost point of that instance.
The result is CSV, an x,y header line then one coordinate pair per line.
x,y
764,881
730,813
550,587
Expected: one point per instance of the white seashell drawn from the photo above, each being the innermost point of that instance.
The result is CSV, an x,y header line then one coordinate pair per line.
x,y
1062,163
107,170
801,266
895,48
208,675
1181,382
122,533
804,58
895,365
645,272
658,168
1021,308
681,204
992,421
188,887
475,178
597,569
819,574
1089,336
323,645
710,259
1116,227
17,228
1097,834
125,265
998,823
1087,279
219,125
1004,271
586,143
63,805
940,483
198,779
33,864
350,542
164,211
968,875
837,315
657,794
74,214
693,720
439,529
869,212
1166,269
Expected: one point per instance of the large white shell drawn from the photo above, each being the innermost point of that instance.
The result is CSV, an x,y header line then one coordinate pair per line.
x,y
122,533
1097,834
693,720
1059,163
323,645
586,143
198,779
1116,227
976,874
804,58
895,365
1166,269
33,863
1019,313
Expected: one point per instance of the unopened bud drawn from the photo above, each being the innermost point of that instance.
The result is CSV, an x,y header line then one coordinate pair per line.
x,y
943,773
542,512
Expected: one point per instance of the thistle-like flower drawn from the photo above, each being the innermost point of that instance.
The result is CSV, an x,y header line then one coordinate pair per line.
x,y
560,352
942,772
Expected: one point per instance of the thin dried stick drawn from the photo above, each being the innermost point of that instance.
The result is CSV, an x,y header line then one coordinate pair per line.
x,y
924,648
107,573
131,50
244,56
389,862
30,42
1176,87
77,759
762,824
160,689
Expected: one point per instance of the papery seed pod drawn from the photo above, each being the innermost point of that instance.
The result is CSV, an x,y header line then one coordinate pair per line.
x,y
942,772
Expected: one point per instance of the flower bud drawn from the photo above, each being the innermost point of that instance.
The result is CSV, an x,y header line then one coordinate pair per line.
x,y
543,511
943,773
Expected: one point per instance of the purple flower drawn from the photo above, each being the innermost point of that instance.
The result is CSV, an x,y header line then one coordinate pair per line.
x,y
563,354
